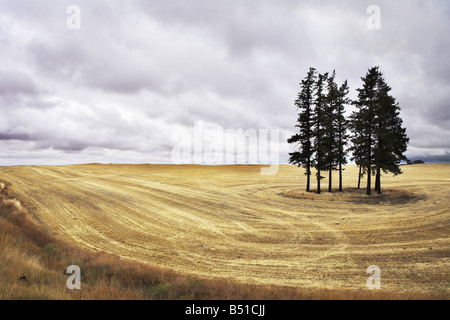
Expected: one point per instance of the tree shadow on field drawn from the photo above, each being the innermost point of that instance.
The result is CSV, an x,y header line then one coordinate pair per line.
x,y
354,195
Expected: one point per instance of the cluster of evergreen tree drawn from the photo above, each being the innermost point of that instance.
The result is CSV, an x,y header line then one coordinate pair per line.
x,y
378,140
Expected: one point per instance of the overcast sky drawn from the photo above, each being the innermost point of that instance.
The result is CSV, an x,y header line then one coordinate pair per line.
x,y
138,77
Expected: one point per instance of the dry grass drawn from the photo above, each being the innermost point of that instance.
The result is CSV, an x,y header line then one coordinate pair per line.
x,y
176,232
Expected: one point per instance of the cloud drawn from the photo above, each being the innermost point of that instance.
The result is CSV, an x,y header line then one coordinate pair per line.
x,y
14,136
14,83
137,71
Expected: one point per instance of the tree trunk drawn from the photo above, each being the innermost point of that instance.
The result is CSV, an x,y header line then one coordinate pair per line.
x,y
378,181
308,175
369,173
329,179
318,181
340,177
359,177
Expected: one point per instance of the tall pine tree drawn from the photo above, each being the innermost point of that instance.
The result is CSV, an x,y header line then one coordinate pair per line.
x,y
304,138
363,123
391,138
320,146
335,128
342,129
379,140
330,127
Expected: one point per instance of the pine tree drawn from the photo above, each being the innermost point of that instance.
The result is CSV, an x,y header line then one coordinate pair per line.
x,y
335,126
305,105
391,137
320,147
330,127
342,127
363,124
379,140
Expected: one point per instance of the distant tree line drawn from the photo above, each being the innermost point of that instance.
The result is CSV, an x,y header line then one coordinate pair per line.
x,y
373,134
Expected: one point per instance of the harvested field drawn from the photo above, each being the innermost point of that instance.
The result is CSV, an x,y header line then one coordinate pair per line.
x,y
231,222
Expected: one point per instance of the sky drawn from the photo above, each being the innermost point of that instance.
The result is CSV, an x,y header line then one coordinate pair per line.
x,y
146,81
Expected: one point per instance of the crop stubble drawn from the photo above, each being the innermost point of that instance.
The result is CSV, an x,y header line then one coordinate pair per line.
x,y
231,222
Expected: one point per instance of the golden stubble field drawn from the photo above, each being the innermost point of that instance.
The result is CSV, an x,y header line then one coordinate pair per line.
x,y
232,222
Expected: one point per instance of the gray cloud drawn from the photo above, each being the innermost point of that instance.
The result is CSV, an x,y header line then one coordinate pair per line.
x,y
14,136
16,83
138,71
